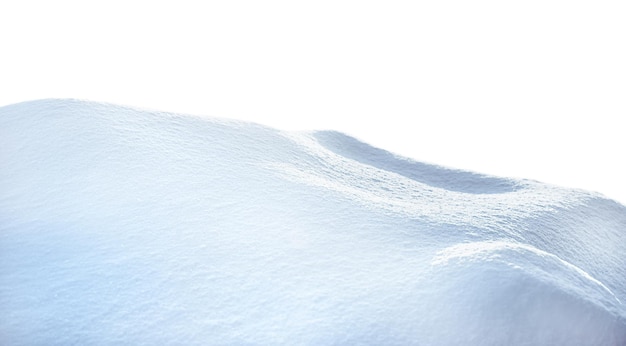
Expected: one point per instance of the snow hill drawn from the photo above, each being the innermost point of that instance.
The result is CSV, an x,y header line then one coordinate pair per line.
x,y
123,226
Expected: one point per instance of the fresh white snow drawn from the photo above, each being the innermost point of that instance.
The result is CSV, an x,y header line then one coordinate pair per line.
x,y
123,226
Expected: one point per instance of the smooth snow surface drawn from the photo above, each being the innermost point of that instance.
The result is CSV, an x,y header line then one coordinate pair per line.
x,y
120,226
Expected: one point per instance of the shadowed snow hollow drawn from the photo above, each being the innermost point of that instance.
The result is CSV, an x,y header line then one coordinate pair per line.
x,y
121,226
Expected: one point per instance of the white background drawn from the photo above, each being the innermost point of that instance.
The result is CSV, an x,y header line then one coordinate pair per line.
x,y
531,89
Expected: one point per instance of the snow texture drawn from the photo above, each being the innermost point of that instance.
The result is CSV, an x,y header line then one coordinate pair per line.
x,y
123,226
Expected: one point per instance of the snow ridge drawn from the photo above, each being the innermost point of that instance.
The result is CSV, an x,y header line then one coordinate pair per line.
x,y
124,226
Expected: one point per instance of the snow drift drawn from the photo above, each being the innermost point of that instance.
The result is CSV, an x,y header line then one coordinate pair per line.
x,y
121,226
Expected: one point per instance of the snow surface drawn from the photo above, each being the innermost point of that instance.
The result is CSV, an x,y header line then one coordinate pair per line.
x,y
122,226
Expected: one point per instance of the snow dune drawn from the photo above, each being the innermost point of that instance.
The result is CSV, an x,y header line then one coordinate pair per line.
x,y
123,226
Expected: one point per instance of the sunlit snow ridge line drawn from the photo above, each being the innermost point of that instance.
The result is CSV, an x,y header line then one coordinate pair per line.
x,y
486,249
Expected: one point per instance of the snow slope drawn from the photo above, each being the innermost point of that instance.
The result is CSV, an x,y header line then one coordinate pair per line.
x,y
122,226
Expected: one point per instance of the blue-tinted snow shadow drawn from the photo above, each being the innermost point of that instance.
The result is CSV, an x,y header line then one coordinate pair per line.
x,y
436,176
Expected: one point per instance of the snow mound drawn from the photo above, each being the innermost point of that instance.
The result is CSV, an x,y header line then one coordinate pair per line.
x,y
123,226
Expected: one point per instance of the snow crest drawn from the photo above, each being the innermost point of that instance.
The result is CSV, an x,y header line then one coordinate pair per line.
x,y
124,226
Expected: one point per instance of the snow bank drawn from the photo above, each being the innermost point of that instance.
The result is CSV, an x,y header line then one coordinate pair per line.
x,y
121,226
